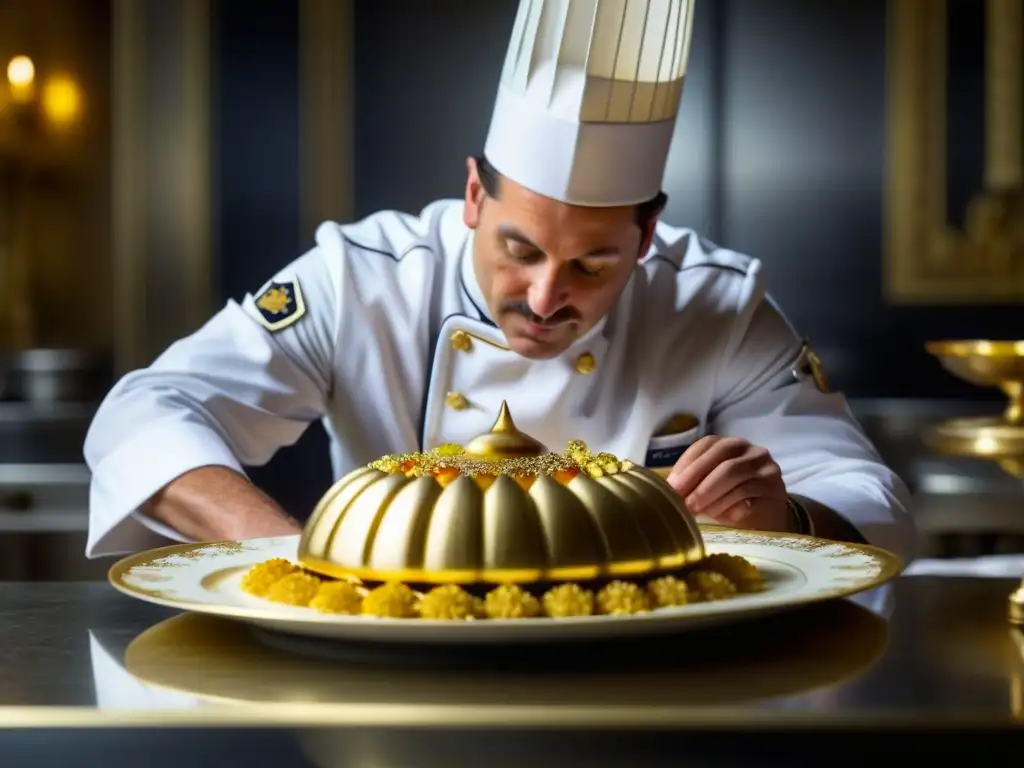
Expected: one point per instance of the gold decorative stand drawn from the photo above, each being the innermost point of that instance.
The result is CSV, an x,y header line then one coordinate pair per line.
x,y
999,438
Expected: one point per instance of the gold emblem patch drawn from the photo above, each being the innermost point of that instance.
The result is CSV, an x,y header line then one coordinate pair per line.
x,y
279,305
275,301
809,364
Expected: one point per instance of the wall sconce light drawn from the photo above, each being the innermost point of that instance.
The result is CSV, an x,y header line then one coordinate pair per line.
x,y
21,76
60,103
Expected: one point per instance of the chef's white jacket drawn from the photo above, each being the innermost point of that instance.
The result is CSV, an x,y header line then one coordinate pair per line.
x,y
362,333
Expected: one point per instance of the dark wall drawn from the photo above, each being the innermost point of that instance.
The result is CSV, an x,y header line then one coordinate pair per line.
x,y
256,144
256,165
779,152
423,104
423,98
803,127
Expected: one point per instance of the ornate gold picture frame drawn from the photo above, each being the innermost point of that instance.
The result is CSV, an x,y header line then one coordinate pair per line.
x,y
927,260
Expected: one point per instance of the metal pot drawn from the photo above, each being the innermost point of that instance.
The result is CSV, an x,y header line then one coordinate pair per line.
x,y
52,376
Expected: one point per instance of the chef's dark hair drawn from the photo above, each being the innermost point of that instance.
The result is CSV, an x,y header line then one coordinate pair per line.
x,y
490,179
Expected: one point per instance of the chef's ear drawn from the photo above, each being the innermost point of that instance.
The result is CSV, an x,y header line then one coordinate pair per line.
x,y
476,192
647,235
647,219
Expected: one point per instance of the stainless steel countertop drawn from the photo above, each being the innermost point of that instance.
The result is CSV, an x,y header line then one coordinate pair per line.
x,y
932,660
944,651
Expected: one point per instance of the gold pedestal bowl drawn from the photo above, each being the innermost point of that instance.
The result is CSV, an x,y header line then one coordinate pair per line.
x,y
1000,438
501,510
987,364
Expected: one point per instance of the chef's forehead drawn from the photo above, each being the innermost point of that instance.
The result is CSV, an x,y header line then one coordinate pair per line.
x,y
526,217
522,217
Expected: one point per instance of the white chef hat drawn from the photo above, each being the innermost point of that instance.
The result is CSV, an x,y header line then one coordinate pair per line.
x,y
588,98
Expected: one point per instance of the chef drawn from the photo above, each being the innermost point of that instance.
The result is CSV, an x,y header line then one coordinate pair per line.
x,y
551,285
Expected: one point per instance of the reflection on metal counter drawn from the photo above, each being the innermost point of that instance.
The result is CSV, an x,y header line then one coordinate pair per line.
x,y
944,654
944,667
214,659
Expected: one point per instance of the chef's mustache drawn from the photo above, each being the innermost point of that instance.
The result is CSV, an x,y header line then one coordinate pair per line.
x,y
564,315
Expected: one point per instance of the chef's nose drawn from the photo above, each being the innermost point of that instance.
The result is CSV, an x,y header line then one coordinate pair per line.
x,y
549,292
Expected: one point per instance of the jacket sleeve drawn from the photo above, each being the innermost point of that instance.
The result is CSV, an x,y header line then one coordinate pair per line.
x,y
767,395
245,384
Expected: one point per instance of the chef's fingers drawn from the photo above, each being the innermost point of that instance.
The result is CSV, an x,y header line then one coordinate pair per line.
x,y
700,459
736,505
695,451
727,475
732,505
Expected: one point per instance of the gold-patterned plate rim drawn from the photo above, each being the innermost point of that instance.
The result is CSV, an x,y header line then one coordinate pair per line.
x,y
889,565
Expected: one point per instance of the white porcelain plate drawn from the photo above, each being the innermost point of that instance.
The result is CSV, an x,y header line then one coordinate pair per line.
x,y
206,578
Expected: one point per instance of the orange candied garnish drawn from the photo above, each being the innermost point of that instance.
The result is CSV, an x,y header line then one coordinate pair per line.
x,y
565,476
446,475
525,481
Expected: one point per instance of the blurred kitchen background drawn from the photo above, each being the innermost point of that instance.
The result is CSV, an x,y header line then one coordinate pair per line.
x,y
158,157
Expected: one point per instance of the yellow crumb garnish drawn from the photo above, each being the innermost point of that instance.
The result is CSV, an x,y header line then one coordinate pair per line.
x,y
621,597
578,450
388,464
666,591
736,569
479,608
709,585
510,601
568,600
338,597
453,457
262,576
393,600
450,602
448,449
294,589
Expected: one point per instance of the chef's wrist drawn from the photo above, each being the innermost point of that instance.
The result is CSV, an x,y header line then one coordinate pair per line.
x,y
259,520
218,504
826,522
800,520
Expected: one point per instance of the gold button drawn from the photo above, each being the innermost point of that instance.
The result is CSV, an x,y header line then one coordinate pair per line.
x,y
461,341
586,363
457,401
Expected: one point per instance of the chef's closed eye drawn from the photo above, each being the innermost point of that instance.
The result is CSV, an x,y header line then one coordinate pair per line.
x,y
664,450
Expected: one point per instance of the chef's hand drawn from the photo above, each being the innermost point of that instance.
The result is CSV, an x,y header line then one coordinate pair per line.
x,y
733,482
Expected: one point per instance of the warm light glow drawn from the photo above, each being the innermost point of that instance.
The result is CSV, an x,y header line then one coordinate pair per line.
x,y
986,445
21,72
62,100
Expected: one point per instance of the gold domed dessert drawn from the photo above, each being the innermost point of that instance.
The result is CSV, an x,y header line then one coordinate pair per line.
x,y
501,529
502,510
